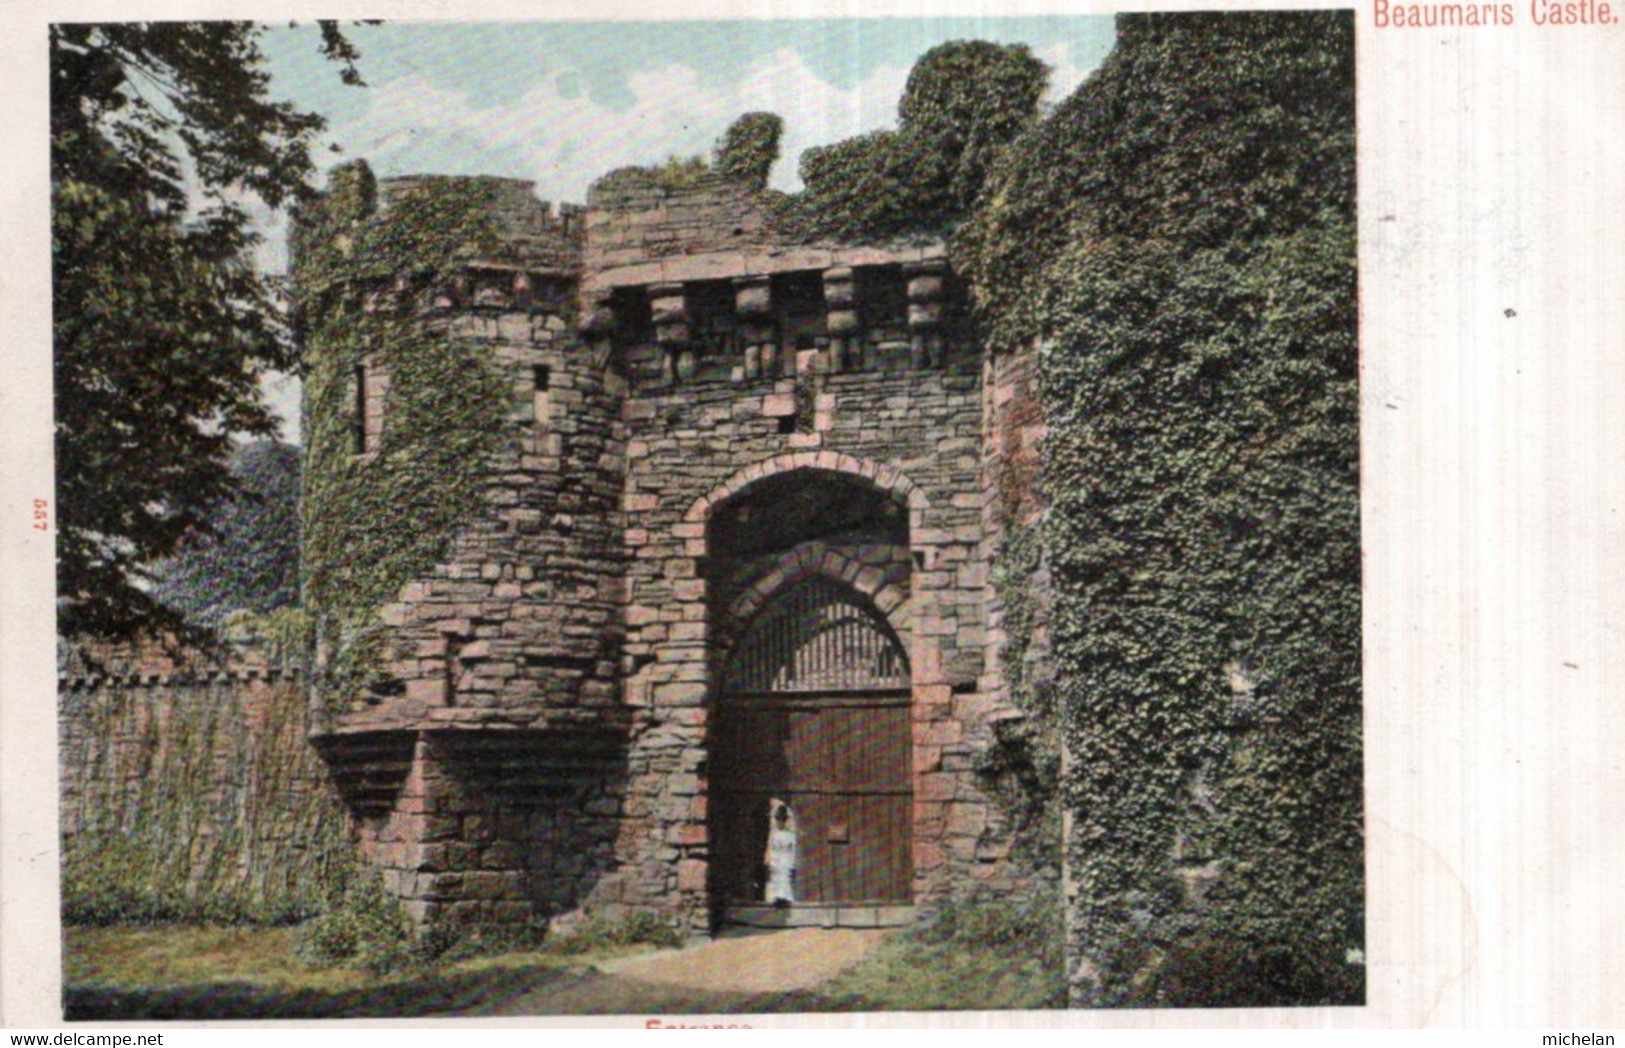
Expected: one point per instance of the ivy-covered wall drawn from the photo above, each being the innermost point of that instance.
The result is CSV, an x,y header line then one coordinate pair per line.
x,y
189,791
964,102
1177,238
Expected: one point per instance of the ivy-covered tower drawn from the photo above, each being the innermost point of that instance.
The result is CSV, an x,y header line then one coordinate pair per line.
x,y
462,542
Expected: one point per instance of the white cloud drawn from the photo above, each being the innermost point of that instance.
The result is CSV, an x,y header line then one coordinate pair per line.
x,y
563,139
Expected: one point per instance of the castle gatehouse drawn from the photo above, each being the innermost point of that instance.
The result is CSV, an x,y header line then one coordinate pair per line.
x,y
729,553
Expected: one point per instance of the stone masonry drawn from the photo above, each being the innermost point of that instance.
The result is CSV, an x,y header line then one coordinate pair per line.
x,y
708,419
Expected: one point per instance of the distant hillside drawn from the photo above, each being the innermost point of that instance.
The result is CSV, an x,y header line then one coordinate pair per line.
x,y
252,560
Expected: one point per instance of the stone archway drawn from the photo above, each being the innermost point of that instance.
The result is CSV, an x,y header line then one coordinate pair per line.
x,y
888,479
811,692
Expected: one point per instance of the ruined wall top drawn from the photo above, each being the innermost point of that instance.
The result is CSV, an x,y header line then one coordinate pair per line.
x,y
633,219
531,234
640,231
636,229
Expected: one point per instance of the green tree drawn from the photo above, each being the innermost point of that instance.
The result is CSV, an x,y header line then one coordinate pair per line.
x,y
250,560
161,134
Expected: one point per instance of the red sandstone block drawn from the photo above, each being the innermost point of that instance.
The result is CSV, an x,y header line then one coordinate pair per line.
x,y
927,659
926,758
426,689
930,817
934,786
687,631
680,693
689,717
691,875
967,819
927,856
973,707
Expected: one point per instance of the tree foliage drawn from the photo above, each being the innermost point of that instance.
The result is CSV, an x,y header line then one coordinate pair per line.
x,y
1178,238
161,133
249,559
964,103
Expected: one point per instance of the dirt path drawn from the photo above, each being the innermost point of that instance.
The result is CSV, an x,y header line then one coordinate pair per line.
x,y
729,973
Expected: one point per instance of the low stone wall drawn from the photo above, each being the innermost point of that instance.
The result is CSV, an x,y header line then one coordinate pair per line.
x,y
189,791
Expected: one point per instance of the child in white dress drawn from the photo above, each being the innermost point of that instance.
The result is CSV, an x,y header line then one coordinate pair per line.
x,y
781,857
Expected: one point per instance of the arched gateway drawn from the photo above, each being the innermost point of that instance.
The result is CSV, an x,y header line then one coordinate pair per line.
x,y
811,689
813,712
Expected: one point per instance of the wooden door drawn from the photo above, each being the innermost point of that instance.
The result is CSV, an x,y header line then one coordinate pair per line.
x,y
792,728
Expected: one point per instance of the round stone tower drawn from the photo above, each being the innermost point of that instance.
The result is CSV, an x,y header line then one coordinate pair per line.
x,y
462,542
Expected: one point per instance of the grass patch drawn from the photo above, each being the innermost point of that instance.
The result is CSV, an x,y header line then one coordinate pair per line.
x,y
982,956
970,956
178,972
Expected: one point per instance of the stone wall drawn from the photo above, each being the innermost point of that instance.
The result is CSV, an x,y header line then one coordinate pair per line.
x,y
633,220
188,790
912,430
519,625
487,785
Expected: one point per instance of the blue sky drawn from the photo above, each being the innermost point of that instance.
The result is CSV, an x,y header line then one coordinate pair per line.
x,y
561,103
